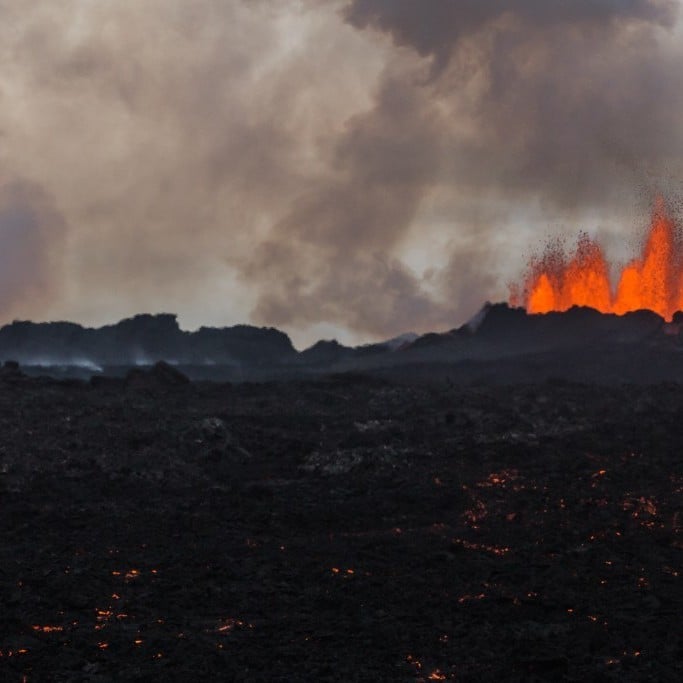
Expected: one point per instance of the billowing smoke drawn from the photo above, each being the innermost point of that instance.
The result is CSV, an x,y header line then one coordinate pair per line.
x,y
366,164
558,100
437,27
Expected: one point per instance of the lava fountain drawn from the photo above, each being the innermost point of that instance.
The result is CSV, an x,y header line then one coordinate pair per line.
x,y
556,281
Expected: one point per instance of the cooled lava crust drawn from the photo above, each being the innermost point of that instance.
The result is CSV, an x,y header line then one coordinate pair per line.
x,y
347,529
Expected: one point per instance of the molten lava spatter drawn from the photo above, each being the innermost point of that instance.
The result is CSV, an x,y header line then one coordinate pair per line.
x,y
654,281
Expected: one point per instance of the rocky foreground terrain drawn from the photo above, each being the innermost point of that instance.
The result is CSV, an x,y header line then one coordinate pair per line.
x,y
344,529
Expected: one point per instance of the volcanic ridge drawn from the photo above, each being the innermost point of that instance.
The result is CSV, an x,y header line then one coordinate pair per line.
x,y
501,344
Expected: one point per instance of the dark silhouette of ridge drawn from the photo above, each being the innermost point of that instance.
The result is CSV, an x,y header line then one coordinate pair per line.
x,y
326,352
500,343
143,339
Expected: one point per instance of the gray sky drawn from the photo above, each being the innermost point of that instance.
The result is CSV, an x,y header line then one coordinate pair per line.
x,y
349,168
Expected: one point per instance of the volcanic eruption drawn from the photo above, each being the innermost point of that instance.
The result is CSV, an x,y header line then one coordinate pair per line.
x,y
556,281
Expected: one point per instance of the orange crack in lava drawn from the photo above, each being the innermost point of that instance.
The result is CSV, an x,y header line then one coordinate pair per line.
x,y
653,281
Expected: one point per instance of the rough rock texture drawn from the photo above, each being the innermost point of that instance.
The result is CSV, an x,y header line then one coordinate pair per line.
x,y
349,529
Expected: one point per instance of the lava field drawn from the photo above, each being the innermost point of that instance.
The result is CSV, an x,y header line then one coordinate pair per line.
x,y
343,529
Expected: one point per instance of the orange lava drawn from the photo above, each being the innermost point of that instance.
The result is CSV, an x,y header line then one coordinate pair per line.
x,y
653,281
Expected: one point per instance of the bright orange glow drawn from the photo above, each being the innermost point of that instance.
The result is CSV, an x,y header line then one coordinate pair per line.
x,y
542,298
653,281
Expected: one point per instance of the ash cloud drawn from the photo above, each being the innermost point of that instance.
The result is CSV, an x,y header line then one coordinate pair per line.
x,y
287,160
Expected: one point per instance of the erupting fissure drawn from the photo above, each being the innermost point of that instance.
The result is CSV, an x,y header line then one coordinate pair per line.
x,y
653,281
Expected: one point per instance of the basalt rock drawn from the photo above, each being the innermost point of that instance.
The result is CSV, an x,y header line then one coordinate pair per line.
x,y
535,534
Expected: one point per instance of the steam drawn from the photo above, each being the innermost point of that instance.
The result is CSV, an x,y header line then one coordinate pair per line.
x,y
286,160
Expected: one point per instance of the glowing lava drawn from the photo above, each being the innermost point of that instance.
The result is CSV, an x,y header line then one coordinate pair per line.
x,y
654,281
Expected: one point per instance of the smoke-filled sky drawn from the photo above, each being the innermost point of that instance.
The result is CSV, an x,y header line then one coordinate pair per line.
x,y
348,168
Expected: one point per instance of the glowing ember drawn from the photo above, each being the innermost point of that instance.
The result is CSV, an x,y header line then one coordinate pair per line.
x,y
493,549
469,598
13,653
47,629
228,626
499,479
653,281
